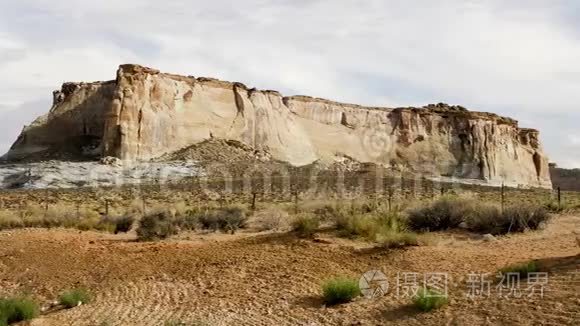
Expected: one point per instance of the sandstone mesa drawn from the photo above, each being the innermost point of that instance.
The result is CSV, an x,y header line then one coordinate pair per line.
x,y
145,114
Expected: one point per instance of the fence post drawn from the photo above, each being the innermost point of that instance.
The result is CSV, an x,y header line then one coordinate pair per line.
x,y
390,197
296,202
559,198
502,197
254,201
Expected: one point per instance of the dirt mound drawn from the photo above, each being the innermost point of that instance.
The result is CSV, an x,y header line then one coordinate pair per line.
x,y
218,151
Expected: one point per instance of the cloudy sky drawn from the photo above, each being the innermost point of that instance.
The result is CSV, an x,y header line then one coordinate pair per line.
x,y
515,58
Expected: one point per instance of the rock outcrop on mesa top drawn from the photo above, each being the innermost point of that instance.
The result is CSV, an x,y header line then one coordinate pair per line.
x,y
145,114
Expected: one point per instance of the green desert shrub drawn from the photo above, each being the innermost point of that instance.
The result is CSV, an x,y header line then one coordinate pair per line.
x,y
445,213
156,226
523,269
17,309
427,300
74,297
340,290
305,225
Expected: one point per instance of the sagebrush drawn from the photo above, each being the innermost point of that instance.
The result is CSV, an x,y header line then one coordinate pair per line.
x,y
445,213
514,218
156,226
450,212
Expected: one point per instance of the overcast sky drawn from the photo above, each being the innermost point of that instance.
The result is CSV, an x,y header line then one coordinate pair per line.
x,y
520,59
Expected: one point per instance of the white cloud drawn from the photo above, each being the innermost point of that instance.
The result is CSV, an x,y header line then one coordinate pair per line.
x,y
574,140
519,57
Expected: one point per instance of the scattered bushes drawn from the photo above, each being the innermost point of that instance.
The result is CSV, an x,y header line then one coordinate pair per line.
x,y
13,310
523,270
526,217
388,228
62,216
391,239
427,300
156,226
486,218
9,220
305,225
188,222
332,212
449,212
514,218
208,221
163,224
72,298
554,207
271,219
123,224
340,290
231,219
359,225
445,213
228,219
119,224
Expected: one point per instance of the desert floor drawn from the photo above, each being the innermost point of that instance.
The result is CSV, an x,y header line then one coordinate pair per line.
x,y
274,279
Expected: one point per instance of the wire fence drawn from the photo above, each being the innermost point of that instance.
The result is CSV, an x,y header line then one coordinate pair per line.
x,y
298,189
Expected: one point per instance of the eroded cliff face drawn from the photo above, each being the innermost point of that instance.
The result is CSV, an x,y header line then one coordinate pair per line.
x,y
73,126
145,114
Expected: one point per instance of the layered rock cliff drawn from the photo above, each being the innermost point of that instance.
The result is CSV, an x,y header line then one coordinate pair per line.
x,y
145,114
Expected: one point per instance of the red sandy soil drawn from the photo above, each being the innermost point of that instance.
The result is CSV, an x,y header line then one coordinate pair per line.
x,y
274,279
